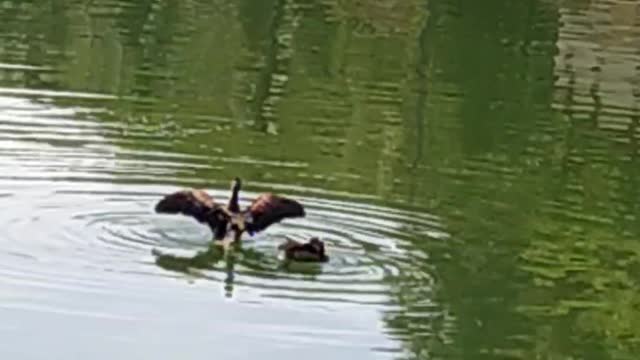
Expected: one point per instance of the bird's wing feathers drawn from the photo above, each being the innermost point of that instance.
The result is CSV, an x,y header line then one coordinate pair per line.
x,y
194,202
268,209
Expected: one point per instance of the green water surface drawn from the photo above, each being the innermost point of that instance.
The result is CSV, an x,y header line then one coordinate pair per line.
x,y
473,166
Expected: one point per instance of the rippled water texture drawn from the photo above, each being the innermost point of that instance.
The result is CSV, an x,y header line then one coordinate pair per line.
x,y
77,244
471,165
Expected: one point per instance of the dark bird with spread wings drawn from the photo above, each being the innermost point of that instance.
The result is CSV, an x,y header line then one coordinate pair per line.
x,y
229,221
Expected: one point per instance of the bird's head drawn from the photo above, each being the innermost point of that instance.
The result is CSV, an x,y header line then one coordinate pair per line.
x,y
236,184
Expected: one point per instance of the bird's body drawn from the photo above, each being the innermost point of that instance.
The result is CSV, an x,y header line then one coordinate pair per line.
x,y
229,222
311,251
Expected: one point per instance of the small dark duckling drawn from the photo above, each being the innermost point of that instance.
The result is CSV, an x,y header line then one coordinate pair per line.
x,y
311,251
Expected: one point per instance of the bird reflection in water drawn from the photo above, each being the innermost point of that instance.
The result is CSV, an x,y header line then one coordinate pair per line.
x,y
208,259
211,258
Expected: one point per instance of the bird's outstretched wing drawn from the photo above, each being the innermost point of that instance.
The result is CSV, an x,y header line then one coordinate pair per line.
x,y
195,203
268,209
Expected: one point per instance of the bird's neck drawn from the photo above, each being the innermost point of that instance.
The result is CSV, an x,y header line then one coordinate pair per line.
x,y
233,201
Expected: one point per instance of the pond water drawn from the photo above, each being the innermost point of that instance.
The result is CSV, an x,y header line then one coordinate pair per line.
x,y
473,167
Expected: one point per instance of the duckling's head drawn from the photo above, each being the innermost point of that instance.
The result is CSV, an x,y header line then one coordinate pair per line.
x,y
317,244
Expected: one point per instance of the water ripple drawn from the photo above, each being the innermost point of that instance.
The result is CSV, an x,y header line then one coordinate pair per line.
x,y
80,224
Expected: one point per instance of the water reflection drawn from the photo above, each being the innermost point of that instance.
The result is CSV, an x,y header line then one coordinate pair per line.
x,y
202,260
515,122
248,258
532,193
